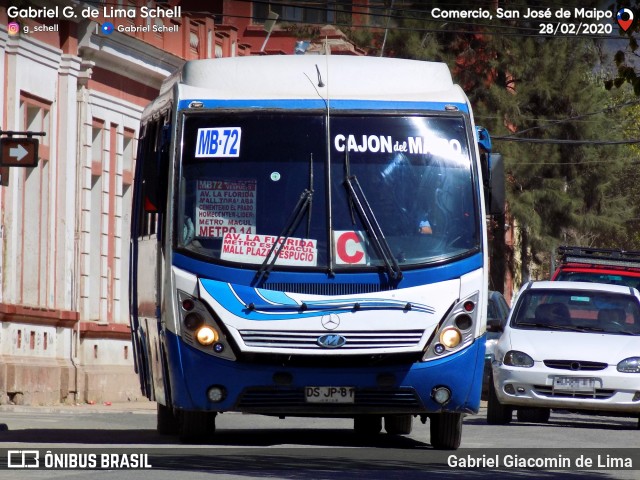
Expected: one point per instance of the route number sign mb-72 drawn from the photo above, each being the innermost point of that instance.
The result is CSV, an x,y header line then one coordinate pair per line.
x,y
18,152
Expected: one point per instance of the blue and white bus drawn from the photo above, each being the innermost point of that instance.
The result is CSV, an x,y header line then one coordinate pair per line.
x,y
308,239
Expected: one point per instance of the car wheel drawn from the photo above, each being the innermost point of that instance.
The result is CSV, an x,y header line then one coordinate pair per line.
x,y
398,424
367,424
446,430
497,413
534,415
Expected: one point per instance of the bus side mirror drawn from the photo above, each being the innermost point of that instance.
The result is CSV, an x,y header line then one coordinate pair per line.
x,y
493,176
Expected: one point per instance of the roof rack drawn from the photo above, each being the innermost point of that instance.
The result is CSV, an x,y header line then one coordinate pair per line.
x,y
599,256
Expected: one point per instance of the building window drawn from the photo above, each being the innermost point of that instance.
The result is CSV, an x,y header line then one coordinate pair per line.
x,y
34,220
37,120
128,150
315,11
97,147
194,40
128,163
93,213
129,5
159,26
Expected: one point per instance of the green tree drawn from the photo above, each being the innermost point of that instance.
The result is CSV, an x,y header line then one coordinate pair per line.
x,y
626,59
535,89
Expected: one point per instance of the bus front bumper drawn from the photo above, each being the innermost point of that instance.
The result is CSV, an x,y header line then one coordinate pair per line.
x,y
289,391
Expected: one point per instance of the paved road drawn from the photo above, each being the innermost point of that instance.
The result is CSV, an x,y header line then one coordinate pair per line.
x,y
248,446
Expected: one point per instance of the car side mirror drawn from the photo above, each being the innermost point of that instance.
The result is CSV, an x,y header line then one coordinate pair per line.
x,y
494,325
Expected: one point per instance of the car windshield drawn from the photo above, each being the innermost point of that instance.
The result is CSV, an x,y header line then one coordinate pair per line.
x,y
577,310
254,186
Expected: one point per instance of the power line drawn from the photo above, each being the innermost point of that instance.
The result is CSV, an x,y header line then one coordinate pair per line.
x,y
557,141
585,162
573,118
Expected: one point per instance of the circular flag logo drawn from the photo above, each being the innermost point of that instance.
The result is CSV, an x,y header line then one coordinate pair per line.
x,y
107,28
625,18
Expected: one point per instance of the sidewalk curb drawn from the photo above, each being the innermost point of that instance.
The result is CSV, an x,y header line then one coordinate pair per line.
x,y
106,407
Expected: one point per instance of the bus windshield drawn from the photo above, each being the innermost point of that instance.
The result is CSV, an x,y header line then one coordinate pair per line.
x,y
394,188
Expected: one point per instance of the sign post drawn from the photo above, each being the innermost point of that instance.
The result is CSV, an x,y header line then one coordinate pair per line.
x,y
18,152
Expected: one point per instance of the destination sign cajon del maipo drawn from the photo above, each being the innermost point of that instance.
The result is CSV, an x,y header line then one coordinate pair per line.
x,y
18,152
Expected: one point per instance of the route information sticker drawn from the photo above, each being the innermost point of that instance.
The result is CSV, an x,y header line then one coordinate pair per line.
x,y
225,206
255,248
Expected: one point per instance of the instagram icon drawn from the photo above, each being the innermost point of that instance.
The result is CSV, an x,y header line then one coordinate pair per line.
x,y
13,28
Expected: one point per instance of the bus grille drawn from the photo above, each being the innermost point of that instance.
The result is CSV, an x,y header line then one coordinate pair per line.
x,y
331,289
266,398
355,340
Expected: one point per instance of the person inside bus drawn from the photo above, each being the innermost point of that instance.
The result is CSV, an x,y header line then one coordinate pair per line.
x,y
427,201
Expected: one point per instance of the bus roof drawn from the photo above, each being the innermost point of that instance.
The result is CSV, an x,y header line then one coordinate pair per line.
x,y
314,77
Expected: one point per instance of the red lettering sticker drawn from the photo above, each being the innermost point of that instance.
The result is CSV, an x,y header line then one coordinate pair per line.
x,y
349,248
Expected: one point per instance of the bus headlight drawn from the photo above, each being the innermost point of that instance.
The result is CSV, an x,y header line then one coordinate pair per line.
x,y
457,329
206,335
450,337
201,328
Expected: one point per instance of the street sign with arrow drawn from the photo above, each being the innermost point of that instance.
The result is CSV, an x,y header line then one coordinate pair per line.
x,y
18,152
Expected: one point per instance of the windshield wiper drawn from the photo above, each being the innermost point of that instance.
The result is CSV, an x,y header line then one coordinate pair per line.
x,y
350,305
302,207
545,325
615,332
584,328
573,328
358,200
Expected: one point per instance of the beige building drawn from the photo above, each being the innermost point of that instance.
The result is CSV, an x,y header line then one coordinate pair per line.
x,y
64,225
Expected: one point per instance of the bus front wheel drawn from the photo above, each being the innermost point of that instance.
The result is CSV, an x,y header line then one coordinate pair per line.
x,y
167,421
367,424
398,424
196,427
446,430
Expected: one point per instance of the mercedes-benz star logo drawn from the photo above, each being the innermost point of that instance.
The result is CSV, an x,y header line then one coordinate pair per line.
x,y
330,322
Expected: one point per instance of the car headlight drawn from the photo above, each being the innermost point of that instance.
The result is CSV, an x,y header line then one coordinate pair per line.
x,y
514,358
629,365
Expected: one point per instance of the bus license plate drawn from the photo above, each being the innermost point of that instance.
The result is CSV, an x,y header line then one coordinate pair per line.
x,y
574,384
329,394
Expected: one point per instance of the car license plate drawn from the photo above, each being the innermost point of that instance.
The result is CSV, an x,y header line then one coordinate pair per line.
x,y
574,384
329,394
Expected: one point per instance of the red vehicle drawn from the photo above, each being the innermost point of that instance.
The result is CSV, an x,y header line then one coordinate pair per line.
x,y
600,265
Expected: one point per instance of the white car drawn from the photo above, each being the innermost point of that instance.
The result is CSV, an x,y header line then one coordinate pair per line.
x,y
568,345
